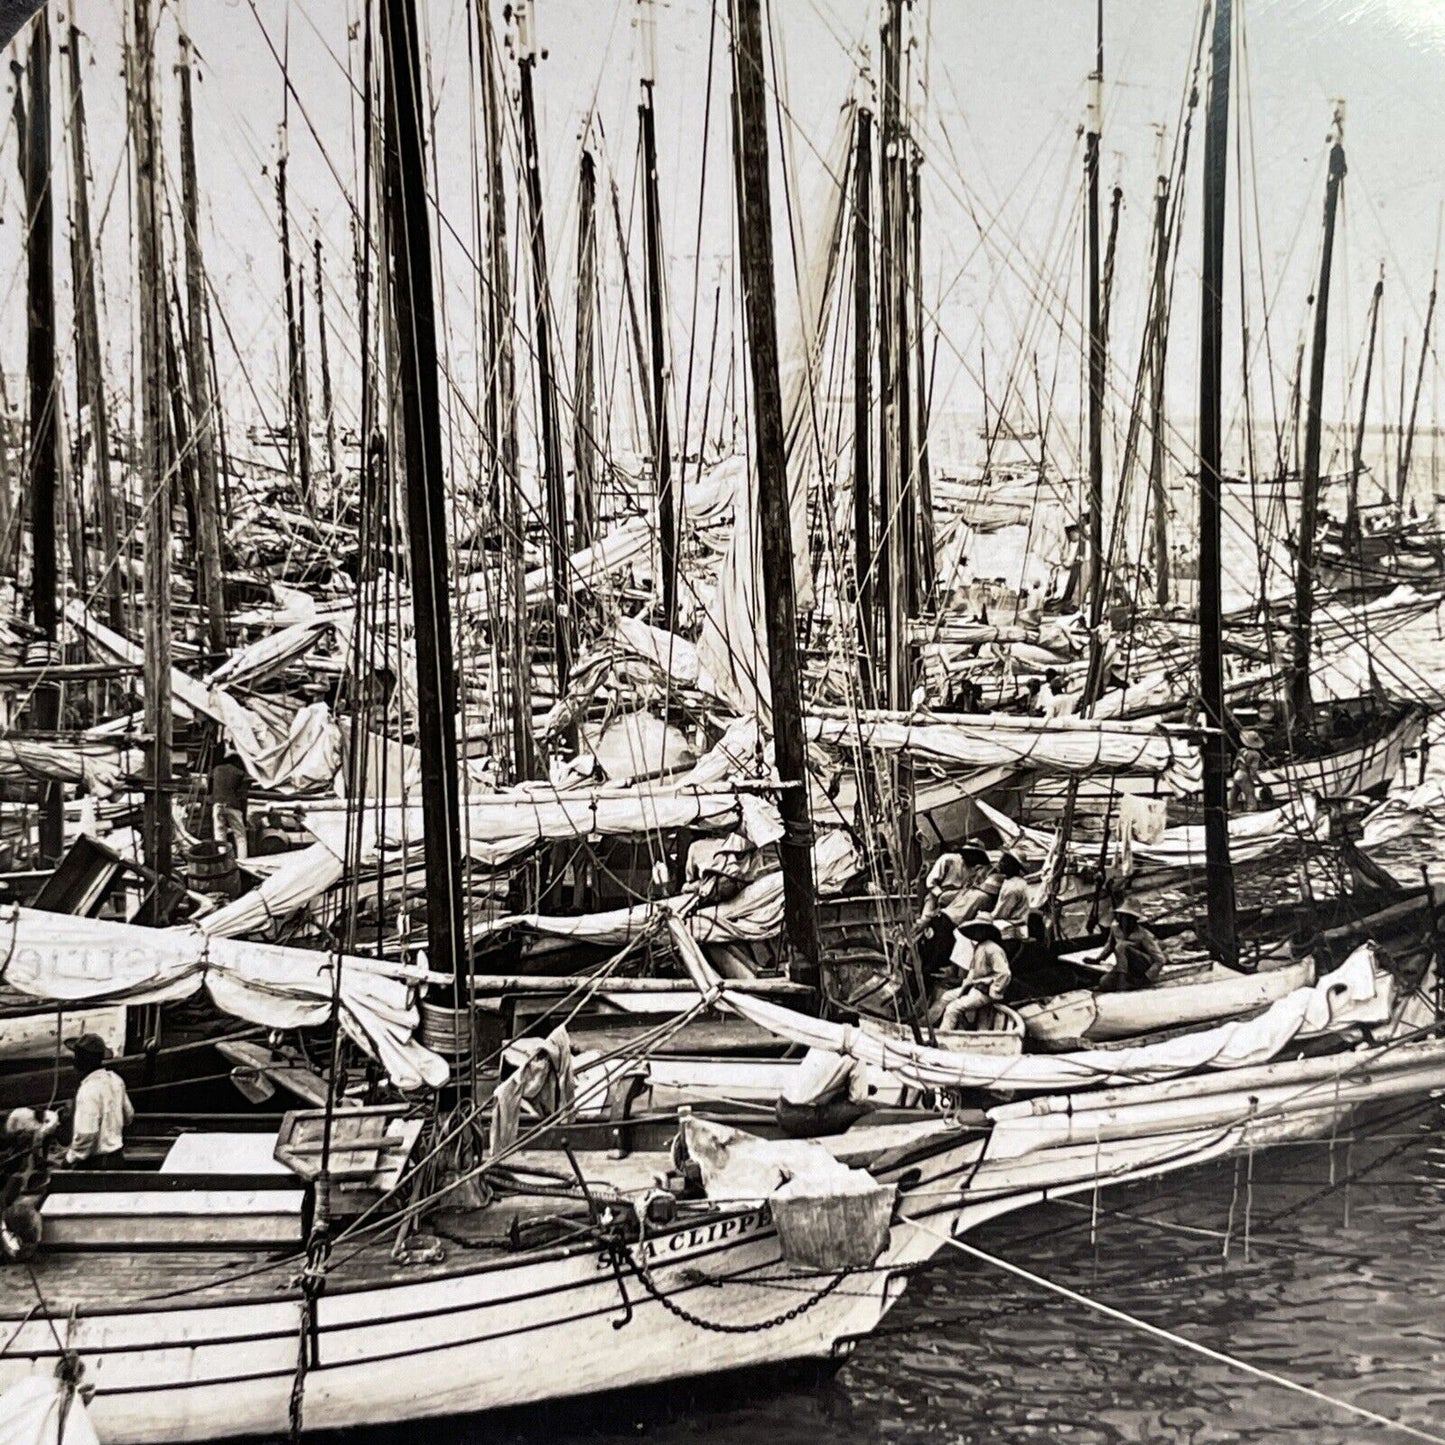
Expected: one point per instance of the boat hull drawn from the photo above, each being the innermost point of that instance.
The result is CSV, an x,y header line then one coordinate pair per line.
x,y
1085,1015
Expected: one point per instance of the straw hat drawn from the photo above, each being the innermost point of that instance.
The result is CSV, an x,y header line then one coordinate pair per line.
x,y
982,928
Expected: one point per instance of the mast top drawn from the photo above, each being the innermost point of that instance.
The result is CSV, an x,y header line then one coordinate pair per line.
x,y
526,37
644,22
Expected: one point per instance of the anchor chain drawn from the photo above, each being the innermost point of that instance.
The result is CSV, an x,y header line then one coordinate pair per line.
x,y
720,1327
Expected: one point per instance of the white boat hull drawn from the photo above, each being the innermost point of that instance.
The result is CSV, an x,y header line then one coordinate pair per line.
x,y
526,1330
1100,1016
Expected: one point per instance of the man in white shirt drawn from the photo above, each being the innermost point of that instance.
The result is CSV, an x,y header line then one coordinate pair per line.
x,y
102,1109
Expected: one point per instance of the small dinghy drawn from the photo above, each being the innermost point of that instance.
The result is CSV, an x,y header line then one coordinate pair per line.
x,y
1084,1014
999,1030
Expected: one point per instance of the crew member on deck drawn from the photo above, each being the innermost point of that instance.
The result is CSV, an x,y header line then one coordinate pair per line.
x,y
101,1112
1138,958
1011,907
230,791
1244,780
985,981
982,895
950,880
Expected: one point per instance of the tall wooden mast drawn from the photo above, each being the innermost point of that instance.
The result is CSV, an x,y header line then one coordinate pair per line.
x,y
408,235
862,399
1402,481
551,439
297,401
90,371
328,400
1219,875
891,566
208,486
1158,355
755,230
44,457
927,579
584,413
657,326
155,469
1304,575
1095,529
1357,459
502,409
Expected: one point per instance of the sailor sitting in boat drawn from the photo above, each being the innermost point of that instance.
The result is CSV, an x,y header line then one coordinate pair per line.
x,y
1011,906
102,1110
1138,958
983,896
826,1093
951,879
985,979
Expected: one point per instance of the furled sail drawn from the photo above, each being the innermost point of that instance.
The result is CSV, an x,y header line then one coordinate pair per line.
x,y
65,959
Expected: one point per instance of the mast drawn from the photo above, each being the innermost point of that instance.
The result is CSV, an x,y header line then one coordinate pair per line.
x,y
1219,874
89,369
502,409
639,351
1158,348
657,326
1403,479
155,472
926,576
208,487
409,243
584,412
551,439
755,229
1095,529
44,459
1304,577
328,403
299,438
891,574
1357,460
862,401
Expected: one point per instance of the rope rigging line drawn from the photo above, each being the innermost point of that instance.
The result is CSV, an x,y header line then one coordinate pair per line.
x,y
1182,1342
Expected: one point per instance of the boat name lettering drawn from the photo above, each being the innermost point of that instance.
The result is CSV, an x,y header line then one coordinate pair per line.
x,y
684,1241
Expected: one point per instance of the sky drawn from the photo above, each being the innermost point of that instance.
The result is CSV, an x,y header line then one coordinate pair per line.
x,y
998,93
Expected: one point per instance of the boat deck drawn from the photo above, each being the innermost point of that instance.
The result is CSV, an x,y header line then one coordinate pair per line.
x,y
94,1279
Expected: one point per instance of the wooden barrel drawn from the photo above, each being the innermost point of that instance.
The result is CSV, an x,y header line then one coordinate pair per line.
x,y
446,1031
212,869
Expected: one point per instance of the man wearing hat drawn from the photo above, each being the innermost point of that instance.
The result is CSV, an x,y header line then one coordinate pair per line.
x,y
1244,780
102,1109
950,880
985,980
982,894
1138,958
1011,907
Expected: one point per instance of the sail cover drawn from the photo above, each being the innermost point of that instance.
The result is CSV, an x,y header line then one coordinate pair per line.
x,y
1072,746
63,959
1355,993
